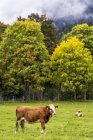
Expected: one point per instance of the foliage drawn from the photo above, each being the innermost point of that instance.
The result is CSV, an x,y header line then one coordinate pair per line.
x,y
49,32
72,66
48,29
2,29
36,17
84,32
24,57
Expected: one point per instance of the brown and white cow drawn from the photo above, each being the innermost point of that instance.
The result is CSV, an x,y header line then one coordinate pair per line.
x,y
79,114
34,114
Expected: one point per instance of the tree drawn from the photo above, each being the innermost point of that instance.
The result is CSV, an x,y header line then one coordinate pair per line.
x,y
2,29
1,79
36,17
84,32
24,58
48,29
50,38
72,67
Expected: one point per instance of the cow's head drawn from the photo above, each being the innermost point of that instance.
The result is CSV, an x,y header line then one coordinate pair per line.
x,y
53,109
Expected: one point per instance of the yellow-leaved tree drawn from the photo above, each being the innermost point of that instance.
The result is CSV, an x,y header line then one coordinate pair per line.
x,y
72,67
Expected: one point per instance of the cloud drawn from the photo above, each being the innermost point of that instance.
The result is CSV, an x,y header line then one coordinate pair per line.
x,y
11,9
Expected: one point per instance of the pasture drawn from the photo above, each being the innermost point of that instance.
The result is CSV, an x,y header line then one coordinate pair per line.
x,y
63,126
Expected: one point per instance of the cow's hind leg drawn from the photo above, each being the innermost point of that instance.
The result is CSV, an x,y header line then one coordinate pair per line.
x,y
22,124
17,125
43,127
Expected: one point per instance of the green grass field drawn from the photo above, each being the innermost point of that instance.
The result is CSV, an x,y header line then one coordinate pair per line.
x,y
63,126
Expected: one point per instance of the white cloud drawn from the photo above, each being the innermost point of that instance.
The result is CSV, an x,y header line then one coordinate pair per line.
x,y
11,9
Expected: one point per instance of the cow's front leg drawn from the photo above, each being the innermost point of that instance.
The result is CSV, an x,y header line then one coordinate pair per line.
x,y
43,128
22,125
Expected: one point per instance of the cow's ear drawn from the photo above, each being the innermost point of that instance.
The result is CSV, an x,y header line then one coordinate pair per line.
x,y
47,107
56,106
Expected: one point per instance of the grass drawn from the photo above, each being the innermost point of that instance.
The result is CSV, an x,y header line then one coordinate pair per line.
x,y
63,126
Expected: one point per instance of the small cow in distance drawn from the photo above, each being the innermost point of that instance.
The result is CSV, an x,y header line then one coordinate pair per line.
x,y
34,114
79,114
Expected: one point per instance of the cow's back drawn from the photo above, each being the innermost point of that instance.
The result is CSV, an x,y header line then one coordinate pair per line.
x,y
32,114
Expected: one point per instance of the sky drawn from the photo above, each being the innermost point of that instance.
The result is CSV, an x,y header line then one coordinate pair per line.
x,y
11,9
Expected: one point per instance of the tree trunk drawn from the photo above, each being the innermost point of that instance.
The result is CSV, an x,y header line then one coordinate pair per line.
x,y
26,92
75,96
58,97
1,96
33,96
41,95
85,96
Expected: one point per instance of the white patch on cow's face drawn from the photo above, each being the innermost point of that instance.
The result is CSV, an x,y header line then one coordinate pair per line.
x,y
53,109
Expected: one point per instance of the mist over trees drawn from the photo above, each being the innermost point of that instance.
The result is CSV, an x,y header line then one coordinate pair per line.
x,y
39,63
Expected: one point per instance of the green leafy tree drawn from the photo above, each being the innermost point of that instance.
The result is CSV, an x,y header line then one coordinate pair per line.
x,y
48,29
1,79
2,29
72,67
36,17
24,58
50,38
84,32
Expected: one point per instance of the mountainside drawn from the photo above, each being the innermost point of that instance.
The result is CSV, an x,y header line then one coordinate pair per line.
x,y
65,25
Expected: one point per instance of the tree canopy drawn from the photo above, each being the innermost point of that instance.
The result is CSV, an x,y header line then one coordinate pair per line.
x,y
24,57
26,69
84,32
48,29
72,66
2,29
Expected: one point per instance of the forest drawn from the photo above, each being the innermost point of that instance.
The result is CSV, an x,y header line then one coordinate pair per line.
x,y
39,61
